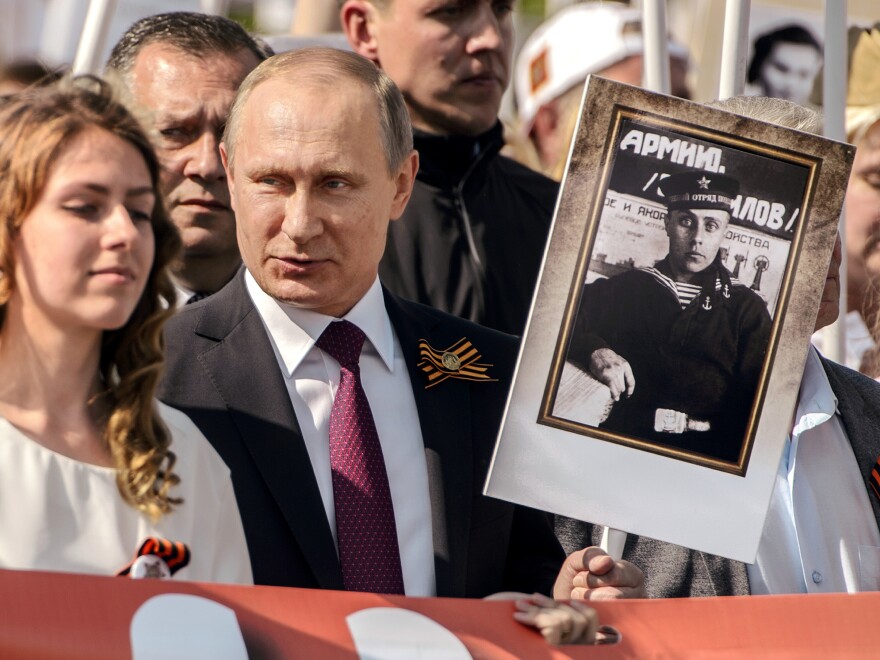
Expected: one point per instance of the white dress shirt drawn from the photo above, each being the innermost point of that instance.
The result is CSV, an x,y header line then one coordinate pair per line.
x,y
183,294
312,378
819,513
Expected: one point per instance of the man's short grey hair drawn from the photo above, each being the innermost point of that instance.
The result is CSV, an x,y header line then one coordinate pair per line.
x,y
773,111
199,35
329,67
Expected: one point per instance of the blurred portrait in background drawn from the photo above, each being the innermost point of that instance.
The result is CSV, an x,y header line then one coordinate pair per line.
x,y
784,63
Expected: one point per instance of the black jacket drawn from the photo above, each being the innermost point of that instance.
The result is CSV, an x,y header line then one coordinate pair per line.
x,y
472,238
222,372
703,360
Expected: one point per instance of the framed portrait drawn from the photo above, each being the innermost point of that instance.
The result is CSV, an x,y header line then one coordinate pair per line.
x,y
660,367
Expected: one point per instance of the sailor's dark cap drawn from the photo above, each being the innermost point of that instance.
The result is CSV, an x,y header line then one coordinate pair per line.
x,y
699,190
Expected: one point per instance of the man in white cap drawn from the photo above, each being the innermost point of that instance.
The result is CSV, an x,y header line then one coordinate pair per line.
x,y
601,38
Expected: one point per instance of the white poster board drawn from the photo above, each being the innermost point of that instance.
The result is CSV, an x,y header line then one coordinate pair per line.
x,y
689,458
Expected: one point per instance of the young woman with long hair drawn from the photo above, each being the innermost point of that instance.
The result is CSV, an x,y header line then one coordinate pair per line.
x,y
93,470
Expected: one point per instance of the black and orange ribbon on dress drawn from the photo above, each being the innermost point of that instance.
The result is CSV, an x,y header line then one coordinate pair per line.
x,y
175,555
461,360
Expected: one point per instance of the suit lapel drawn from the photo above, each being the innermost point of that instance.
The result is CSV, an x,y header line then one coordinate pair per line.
x,y
862,425
243,368
445,420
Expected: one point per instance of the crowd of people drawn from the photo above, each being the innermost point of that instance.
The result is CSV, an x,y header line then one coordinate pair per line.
x,y
220,267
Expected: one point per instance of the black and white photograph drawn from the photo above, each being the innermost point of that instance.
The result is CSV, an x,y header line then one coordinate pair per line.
x,y
668,335
683,279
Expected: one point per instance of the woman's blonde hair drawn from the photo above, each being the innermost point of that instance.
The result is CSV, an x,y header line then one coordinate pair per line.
x,y
36,125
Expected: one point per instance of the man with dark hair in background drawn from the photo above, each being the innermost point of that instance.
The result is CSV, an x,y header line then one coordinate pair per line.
x,y
180,71
473,236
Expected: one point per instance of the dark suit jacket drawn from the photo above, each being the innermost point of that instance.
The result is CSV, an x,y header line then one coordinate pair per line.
x,y
674,571
223,373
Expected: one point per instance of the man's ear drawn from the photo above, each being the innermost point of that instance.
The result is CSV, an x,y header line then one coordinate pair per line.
x,y
358,19
545,133
404,181
224,157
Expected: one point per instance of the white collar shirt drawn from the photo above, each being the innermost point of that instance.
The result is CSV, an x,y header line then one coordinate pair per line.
x,y
182,293
820,519
312,378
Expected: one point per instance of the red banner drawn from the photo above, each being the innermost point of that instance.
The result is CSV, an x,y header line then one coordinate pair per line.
x,y
52,615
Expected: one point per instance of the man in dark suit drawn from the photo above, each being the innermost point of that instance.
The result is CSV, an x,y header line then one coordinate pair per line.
x,y
314,179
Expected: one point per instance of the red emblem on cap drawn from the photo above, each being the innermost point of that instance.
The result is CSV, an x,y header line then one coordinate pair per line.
x,y
538,71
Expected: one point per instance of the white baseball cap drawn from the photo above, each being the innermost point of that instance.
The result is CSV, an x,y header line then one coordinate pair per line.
x,y
578,40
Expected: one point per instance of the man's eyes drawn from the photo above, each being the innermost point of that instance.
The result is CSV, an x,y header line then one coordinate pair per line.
x,y
502,8
454,10
173,132
449,10
276,181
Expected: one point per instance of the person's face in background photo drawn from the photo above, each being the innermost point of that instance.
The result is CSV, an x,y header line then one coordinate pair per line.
x,y
788,71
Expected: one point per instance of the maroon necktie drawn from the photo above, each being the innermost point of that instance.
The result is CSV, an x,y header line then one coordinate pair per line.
x,y
365,529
